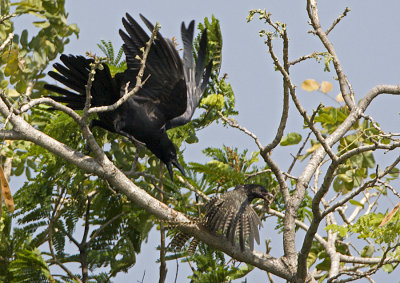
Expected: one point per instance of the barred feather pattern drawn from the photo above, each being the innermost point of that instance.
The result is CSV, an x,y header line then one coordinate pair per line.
x,y
232,215
193,246
178,241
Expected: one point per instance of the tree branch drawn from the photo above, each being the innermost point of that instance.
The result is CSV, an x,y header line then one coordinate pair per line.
x,y
314,17
338,19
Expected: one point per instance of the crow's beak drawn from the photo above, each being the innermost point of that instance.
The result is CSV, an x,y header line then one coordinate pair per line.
x,y
169,167
177,165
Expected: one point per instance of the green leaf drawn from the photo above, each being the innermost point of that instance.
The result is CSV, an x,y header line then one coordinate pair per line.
x,y
291,139
368,251
41,24
354,202
214,100
24,38
388,268
3,84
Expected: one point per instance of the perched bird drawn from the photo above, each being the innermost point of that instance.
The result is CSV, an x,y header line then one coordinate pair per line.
x,y
168,98
232,215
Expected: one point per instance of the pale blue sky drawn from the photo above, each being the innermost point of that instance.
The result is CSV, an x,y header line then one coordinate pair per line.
x,y
367,43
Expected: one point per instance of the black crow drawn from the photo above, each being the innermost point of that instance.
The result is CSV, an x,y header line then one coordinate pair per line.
x,y
168,98
231,214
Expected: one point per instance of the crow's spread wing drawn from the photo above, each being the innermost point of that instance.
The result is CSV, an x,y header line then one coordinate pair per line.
x,y
196,83
74,73
165,88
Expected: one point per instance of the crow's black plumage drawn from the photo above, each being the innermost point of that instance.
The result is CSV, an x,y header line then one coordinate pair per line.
x,y
167,100
232,215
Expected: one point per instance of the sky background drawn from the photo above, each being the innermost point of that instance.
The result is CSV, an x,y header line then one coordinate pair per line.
x,y
366,41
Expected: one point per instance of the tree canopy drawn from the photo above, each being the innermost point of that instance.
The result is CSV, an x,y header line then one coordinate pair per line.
x,y
105,203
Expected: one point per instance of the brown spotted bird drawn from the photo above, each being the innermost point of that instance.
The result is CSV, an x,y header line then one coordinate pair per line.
x,y
232,215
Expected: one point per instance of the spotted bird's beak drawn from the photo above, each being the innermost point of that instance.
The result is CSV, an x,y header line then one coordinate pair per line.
x,y
267,197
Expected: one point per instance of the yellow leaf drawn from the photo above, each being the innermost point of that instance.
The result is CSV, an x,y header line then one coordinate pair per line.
x,y
313,148
11,67
5,189
310,85
326,87
390,215
12,93
339,98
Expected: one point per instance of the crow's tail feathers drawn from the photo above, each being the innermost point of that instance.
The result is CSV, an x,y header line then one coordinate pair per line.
x,y
194,74
73,74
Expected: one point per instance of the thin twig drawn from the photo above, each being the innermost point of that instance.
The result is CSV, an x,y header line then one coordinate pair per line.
x,y
338,19
7,41
231,122
303,58
103,226
193,189
163,265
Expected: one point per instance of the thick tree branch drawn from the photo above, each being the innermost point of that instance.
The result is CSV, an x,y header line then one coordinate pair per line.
x,y
123,184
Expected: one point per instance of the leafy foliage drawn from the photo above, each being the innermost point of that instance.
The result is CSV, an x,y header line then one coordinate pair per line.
x,y
59,200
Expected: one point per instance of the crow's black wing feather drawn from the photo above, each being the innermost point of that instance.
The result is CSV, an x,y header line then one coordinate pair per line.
x,y
193,74
74,75
165,87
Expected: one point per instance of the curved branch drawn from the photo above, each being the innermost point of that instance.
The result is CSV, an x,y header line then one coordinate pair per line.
x,y
54,104
123,184
285,107
314,17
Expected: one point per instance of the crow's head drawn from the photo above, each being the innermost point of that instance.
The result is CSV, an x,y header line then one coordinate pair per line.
x,y
257,191
165,150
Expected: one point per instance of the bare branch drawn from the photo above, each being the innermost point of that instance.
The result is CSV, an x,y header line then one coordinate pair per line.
x,y
193,189
301,224
10,135
286,84
389,187
303,58
300,108
314,17
54,104
7,41
231,122
338,19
